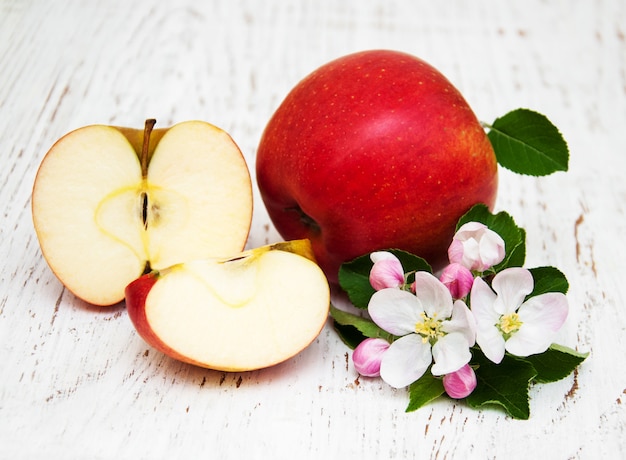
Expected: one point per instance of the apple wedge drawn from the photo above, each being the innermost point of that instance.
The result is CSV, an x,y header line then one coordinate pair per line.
x,y
242,313
110,204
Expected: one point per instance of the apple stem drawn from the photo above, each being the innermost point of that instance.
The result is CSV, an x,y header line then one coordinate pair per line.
x,y
305,218
145,148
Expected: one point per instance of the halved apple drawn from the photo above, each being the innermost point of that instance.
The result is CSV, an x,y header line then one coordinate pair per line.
x,y
110,204
247,312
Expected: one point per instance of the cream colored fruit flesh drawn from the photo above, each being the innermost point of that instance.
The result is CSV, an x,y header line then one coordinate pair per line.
x,y
89,197
242,314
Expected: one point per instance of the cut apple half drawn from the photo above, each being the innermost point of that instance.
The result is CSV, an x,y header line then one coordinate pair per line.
x,y
110,204
242,313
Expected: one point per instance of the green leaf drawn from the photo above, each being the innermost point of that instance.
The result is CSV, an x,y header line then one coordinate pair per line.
x,y
365,326
556,363
516,257
422,391
526,142
411,263
503,224
349,335
354,279
505,384
354,275
548,279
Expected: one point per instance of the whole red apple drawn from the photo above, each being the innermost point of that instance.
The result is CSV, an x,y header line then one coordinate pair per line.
x,y
371,151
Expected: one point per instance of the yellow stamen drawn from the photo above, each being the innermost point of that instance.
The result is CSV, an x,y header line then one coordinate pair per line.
x,y
428,328
510,323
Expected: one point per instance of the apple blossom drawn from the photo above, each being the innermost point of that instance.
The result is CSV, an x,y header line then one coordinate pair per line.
x,y
460,384
458,279
367,356
507,322
431,327
387,271
476,247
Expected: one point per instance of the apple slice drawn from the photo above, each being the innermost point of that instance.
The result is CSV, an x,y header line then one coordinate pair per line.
x,y
247,312
110,204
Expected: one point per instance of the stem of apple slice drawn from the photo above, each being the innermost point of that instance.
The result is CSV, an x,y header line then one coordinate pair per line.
x,y
145,148
144,160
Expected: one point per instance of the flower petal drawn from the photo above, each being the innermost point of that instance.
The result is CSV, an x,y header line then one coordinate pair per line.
x,y
394,310
455,252
461,383
387,271
434,295
488,336
462,321
482,301
491,249
405,361
368,355
512,285
542,316
382,255
471,254
450,353
468,229
491,343
549,309
458,279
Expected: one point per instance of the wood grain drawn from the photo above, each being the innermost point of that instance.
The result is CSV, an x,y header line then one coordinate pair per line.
x,y
78,383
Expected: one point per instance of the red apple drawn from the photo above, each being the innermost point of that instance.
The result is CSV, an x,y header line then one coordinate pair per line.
x,y
374,150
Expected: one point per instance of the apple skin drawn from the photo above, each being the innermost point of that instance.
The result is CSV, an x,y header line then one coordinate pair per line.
x,y
374,150
136,294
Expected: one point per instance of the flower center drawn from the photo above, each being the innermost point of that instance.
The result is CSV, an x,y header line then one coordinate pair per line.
x,y
509,324
428,328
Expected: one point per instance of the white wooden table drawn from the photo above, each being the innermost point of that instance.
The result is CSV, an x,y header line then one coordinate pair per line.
x,y
77,382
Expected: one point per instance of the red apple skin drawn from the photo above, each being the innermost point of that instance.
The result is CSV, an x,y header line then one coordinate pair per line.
x,y
136,294
374,150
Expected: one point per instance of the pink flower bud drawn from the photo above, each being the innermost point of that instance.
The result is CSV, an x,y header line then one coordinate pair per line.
x,y
476,247
367,356
387,271
458,279
461,383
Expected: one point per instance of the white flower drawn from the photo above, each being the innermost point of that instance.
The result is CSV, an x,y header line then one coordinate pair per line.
x,y
505,322
431,328
476,247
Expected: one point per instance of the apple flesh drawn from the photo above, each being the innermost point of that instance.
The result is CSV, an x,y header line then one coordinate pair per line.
x,y
111,203
374,150
241,313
